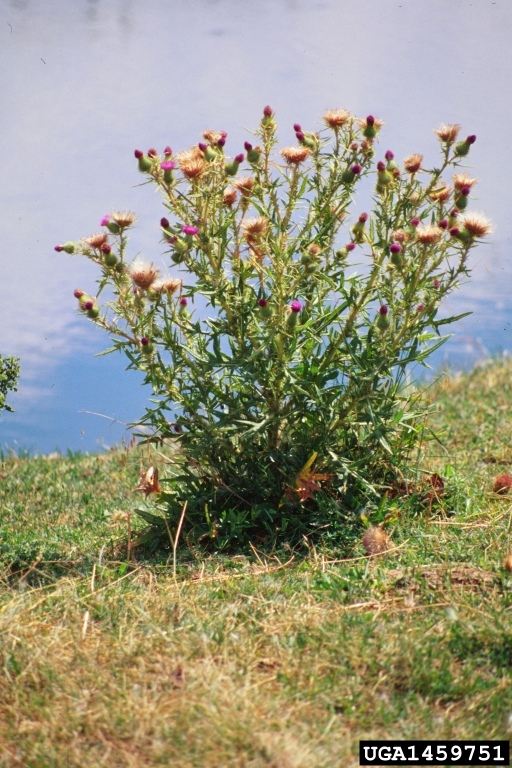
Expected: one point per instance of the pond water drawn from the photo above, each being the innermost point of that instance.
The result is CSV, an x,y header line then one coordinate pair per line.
x,y
83,83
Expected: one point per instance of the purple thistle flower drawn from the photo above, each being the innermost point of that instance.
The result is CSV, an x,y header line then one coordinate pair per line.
x,y
395,248
471,139
247,146
381,166
363,218
224,134
138,154
222,141
356,168
262,303
177,428
202,146
370,120
267,111
58,248
188,230
88,305
164,222
172,239
144,341
152,152
443,224
454,231
105,248
297,128
383,310
389,155
239,158
300,136
415,222
436,284
296,306
350,246
183,301
167,151
354,146
420,307
465,191
105,220
168,165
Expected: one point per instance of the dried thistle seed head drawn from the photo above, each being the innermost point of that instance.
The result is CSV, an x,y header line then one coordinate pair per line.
x,y
441,194
336,118
213,136
428,234
143,273
295,155
461,180
477,224
191,163
245,185
401,236
124,219
96,240
375,540
167,285
412,164
229,197
255,228
448,133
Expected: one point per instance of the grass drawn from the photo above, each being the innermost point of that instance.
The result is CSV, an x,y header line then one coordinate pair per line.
x,y
280,660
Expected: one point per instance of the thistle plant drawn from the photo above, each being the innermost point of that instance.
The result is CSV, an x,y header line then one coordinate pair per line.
x,y
9,374
278,345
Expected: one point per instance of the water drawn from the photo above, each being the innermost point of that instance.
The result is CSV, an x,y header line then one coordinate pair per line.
x,y
84,83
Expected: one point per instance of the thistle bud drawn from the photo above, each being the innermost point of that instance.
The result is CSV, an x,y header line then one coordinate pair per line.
x,y
202,146
59,248
443,224
232,167
110,260
396,254
183,302
164,223
383,319
462,148
391,165
297,128
384,177
69,247
265,308
415,222
247,146
300,136
342,253
358,230
112,227
221,142
292,319
268,118
152,152
93,311
253,154
167,152
145,163
147,346
370,129
350,174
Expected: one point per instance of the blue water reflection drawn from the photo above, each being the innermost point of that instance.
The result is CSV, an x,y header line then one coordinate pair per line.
x,y
84,83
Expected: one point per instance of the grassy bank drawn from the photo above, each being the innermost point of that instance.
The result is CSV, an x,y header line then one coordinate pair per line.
x,y
283,660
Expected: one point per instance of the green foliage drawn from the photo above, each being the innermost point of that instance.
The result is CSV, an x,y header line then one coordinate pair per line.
x,y
9,373
285,391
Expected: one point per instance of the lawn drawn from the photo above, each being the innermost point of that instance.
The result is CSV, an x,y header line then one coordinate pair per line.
x,y
282,660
